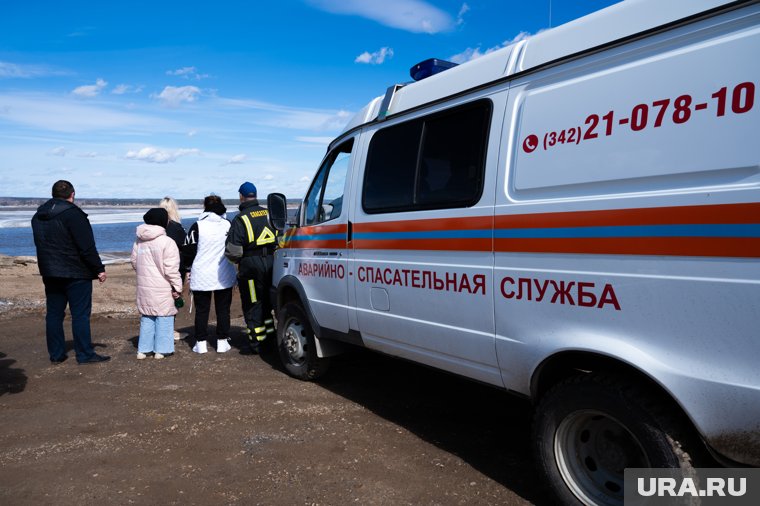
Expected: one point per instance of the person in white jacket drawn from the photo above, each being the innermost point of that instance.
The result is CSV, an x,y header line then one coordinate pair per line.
x,y
210,273
155,258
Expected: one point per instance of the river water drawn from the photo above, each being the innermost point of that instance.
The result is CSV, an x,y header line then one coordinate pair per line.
x,y
114,230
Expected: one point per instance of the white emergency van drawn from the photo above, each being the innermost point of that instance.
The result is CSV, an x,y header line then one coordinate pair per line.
x,y
574,218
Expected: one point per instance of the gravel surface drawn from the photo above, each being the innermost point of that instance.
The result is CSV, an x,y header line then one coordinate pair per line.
x,y
233,428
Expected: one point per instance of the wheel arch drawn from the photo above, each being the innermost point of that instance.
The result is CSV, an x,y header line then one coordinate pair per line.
x,y
329,342
565,364
290,289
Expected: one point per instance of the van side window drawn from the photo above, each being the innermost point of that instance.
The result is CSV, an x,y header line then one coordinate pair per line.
x,y
324,201
435,162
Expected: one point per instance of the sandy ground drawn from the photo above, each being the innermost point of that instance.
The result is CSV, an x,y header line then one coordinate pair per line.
x,y
233,428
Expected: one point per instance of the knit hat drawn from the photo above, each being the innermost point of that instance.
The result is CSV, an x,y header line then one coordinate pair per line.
x,y
156,216
247,189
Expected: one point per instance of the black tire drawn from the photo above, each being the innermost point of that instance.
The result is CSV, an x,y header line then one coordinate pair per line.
x,y
296,345
589,428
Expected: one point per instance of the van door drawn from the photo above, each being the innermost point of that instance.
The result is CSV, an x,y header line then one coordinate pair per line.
x,y
319,244
422,237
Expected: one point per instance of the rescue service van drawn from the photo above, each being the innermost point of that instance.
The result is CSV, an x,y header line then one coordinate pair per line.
x,y
574,218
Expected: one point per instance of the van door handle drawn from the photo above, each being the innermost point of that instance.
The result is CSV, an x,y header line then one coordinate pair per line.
x,y
350,232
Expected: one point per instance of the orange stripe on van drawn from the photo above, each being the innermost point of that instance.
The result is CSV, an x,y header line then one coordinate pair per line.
x,y
710,214
670,246
725,230
316,236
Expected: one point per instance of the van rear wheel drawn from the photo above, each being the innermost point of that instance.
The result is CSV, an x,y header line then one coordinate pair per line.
x,y
296,344
589,429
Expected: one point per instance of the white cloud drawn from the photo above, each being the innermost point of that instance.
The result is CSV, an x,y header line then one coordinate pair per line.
x,y
90,90
315,140
236,160
520,36
304,179
123,89
474,53
268,177
289,117
173,96
415,16
462,11
89,154
59,151
63,114
337,120
155,155
376,58
13,70
187,73
192,133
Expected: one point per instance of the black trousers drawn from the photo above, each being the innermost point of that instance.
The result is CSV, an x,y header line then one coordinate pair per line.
x,y
222,303
254,297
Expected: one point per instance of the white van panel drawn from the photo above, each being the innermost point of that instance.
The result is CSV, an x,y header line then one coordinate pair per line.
x,y
613,23
591,139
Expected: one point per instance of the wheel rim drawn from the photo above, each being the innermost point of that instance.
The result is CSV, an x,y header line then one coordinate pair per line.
x,y
592,452
294,342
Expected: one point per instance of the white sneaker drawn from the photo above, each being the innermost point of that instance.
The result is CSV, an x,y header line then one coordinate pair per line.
x,y
200,347
222,346
177,336
141,356
158,356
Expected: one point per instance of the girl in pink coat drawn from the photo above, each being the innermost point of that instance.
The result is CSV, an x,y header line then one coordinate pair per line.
x,y
155,257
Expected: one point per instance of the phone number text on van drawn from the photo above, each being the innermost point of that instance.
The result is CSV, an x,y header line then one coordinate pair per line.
x,y
737,100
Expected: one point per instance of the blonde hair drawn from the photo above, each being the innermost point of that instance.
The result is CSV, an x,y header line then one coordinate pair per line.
x,y
170,205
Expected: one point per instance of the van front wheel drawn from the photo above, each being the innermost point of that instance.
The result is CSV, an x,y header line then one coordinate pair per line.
x,y
296,344
590,428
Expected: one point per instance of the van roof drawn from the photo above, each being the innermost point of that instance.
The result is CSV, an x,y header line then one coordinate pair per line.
x,y
611,24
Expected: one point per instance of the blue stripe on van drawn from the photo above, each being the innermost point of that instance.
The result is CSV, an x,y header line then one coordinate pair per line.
x,y
727,230
721,230
318,237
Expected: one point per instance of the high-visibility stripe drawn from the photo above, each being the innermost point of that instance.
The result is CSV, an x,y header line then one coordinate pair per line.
x,y
248,227
260,333
252,290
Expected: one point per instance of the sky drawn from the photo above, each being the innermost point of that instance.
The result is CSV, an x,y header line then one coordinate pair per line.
x,y
145,99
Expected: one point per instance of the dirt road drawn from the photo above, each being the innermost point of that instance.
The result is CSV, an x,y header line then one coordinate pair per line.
x,y
233,429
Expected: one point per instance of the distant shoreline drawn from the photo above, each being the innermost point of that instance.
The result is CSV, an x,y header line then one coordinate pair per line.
x,y
108,258
24,203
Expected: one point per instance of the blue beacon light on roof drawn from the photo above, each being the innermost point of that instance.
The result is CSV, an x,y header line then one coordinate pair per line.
x,y
429,67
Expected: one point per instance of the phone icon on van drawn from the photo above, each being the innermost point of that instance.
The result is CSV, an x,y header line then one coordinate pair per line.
x,y
530,143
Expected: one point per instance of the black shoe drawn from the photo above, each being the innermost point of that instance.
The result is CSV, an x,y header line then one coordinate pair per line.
x,y
254,348
95,358
58,360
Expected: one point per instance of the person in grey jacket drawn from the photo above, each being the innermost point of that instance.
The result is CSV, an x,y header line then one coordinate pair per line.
x,y
68,262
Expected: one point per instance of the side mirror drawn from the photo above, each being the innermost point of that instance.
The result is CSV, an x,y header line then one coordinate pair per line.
x,y
278,210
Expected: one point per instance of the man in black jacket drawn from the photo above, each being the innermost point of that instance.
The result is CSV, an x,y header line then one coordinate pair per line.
x,y
250,244
68,261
